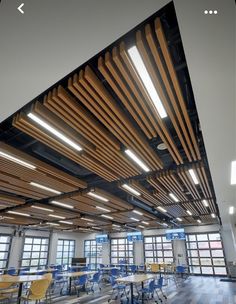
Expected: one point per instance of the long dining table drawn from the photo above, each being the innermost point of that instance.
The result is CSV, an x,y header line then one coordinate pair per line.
x,y
20,280
76,274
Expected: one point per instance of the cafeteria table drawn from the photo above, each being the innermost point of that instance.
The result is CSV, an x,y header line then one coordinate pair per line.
x,y
20,280
135,279
78,274
35,271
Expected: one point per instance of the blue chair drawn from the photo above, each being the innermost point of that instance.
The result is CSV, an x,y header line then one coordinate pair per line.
x,y
117,289
115,272
95,280
23,271
72,269
11,271
159,286
80,284
147,292
133,269
85,268
60,281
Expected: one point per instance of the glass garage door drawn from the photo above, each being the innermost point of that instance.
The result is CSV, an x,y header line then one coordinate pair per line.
x,y
205,254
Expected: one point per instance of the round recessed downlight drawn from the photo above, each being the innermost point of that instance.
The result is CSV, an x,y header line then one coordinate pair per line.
x,y
161,146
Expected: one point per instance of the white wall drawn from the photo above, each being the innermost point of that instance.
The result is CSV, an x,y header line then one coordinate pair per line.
x,y
179,246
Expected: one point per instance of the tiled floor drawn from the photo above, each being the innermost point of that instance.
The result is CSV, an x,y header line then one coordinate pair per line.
x,y
195,290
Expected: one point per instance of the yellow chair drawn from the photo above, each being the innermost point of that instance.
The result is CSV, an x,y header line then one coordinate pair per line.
x,y
38,290
7,289
155,267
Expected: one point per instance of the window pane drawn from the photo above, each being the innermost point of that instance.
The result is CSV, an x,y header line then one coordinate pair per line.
x,y
220,270
205,261
214,237
203,245
192,245
218,261
217,253
192,238
202,237
204,253
215,245
207,270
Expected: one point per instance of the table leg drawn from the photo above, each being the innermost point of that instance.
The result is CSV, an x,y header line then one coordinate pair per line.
x,y
142,293
19,293
132,293
70,280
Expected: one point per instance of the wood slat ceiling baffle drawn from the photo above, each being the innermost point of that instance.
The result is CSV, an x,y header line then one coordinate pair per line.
x,y
17,220
207,219
9,201
15,178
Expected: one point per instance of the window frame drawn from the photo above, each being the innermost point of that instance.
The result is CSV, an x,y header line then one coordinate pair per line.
x,y
155,257
210,257
96,255
9,250
68,257
47,258
125,257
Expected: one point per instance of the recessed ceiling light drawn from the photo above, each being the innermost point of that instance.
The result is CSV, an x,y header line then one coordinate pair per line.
x,y
179,219
145,223
174,197
137,160
161,209
66,222
134,219
103,209
18,213
205,203
231,210
189,212
17,160
55,132
193,176
213,215
146,79
107,216
137,212
161,146
99,197
42,208
233,173
57,216
130,189
44,188
86,219
62,204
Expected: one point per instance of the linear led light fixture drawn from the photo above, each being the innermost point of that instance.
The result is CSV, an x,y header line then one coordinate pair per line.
x,y
137,160
8,217
115,225
57,216
42,208
179,219
213,215
65,222
205,203
44,188
174,197
62,204
134,219
165,224
189,212
54,131
130,189
17,160
103,209
199,221
145,223
84,229
137,212
231,210
193,176
146,79
161,209
233,173
99,197
53,224
140,226
86,219
107,216
19,213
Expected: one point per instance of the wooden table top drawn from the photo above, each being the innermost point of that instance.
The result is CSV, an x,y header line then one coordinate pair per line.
x,y
20,279
33,271
136,278
78,273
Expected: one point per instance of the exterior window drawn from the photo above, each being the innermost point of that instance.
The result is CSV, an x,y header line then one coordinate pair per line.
x,y
5,244
122,250
65,251
205,254
157,249
35,252
93,252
